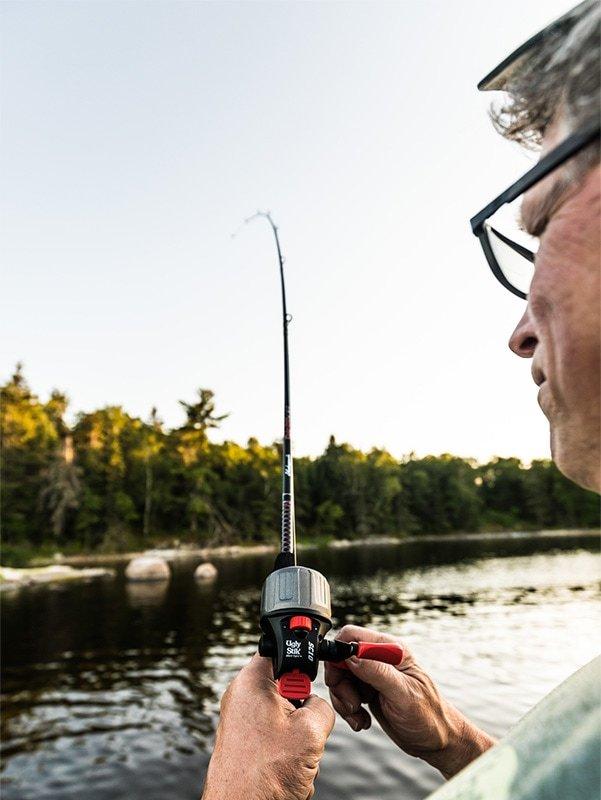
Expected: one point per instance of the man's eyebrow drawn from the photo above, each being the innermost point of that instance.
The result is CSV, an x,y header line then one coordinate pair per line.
x,y
534,216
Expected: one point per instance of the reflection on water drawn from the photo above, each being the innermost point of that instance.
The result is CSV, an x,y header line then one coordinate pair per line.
x,y
143,594
112,689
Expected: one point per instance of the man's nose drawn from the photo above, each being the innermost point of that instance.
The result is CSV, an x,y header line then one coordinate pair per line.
x,y
523,340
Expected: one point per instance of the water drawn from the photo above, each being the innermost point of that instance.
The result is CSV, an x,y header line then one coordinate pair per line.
x,y
112,690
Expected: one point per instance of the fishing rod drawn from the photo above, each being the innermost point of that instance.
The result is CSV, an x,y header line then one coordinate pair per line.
x,y
287,555
296,612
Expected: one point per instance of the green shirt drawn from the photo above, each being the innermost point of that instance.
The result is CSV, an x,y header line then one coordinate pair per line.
x,y
553,753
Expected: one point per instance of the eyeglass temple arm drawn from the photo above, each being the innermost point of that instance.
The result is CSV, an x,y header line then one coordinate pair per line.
x,y
569,147
523,251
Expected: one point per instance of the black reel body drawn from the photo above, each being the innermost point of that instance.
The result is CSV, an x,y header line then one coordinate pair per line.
x,y
295,617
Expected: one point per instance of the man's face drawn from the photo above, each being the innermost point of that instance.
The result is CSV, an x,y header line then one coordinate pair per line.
x,y
560,329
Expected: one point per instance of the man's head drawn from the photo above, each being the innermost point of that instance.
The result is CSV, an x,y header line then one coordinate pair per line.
x,y
553,92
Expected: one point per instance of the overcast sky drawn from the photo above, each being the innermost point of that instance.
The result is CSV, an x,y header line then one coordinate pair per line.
x,y
137,135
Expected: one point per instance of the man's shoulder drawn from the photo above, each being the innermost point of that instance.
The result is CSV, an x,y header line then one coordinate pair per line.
x,y
553,752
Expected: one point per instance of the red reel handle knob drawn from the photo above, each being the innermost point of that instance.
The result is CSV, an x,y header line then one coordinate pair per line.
x,y
386,652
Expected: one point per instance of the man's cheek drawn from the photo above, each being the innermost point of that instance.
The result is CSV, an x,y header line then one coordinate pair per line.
x,y
551,263
539,300
555,298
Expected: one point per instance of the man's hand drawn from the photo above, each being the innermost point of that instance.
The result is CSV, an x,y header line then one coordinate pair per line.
x,y
266,749
407,705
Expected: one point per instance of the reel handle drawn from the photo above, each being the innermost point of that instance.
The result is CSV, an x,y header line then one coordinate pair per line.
x,y
385,652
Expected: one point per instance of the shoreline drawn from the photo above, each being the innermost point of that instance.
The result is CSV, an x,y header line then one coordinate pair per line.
x,y
237,551
63,568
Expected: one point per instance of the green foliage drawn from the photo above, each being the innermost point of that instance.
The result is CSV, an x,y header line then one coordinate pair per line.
x,y
328,516
15,555
443,494
111,481
28,441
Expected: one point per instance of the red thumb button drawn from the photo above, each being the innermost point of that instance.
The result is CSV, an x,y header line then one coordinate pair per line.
x,y
300,623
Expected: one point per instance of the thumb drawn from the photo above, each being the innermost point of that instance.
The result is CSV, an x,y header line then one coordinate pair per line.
x,y
355,633
384,678
257,676
321,712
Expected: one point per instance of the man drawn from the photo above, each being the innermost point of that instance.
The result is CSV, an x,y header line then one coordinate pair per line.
x,y
262,741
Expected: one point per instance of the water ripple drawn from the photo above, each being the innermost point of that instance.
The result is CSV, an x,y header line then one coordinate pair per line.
x,y
115,692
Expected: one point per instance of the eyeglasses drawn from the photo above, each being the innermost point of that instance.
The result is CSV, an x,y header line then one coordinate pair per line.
x,y
512,259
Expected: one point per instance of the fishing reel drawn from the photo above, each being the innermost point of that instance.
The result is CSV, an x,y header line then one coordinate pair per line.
x,y
295,618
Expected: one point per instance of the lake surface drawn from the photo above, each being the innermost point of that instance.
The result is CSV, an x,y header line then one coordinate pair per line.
x,y
111,690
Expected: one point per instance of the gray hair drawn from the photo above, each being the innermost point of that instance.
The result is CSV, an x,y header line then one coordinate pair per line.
x,y
560,80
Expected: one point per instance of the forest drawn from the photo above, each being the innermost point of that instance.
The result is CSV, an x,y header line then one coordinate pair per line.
x,y
113,482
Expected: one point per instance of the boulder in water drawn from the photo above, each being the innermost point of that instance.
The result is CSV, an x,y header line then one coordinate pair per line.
x,y
205,572
11,578
148,568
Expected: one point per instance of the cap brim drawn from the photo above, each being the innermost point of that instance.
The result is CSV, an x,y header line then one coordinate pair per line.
x,y
497,79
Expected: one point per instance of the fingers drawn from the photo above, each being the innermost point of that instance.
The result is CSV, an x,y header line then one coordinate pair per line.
x,y
347,694
342,685
321,712
354,633
384,678
358,719
333,676
349,691
346,691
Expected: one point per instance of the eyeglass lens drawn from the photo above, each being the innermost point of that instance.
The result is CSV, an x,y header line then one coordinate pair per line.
x,y
517,269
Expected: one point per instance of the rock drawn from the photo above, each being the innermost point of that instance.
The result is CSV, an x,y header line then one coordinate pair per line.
x,y
55,574
12,575
148,568
205,572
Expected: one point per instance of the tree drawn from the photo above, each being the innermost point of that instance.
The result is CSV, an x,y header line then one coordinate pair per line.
x,y
201,415
152,446
61,487
328,518
503,492
28,442
107,441
192,444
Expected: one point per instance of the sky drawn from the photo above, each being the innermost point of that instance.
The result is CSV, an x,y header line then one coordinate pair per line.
x,y
137,136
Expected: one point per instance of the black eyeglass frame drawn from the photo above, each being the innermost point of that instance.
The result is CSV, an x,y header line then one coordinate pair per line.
x,y
559,155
